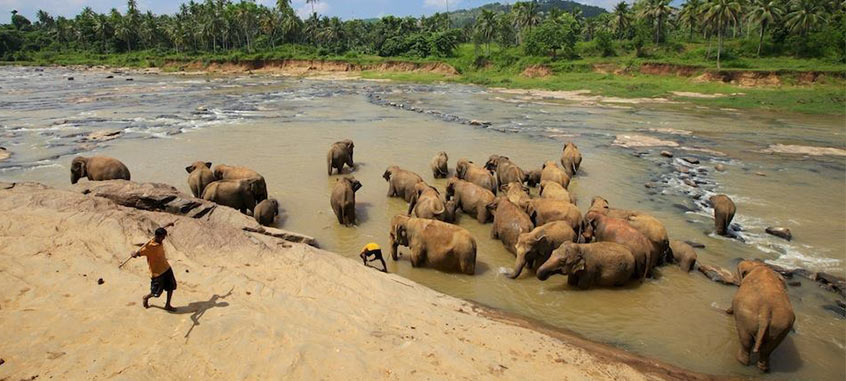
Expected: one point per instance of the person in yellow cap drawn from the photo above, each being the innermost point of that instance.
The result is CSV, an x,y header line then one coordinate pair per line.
x,y
373,250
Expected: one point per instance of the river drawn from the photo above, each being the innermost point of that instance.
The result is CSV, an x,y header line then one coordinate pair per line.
x,y
282,127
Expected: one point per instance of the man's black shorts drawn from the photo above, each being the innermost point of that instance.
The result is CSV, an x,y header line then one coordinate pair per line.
x,y
164,282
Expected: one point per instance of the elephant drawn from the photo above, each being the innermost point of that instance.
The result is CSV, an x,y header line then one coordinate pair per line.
x,y
655,232
762,312
506,171
401,182
554,191
343,200
435,244
98,168
340,154
683,254
427,203
517,194
545,210
470,198
611,229
440,170
724,210
237,194
266,212
533,248
466,170
533,178
571,159
551,172
451,208
603,264
199,177
228,172
508,223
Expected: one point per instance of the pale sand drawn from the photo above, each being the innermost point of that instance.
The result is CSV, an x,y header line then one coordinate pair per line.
x,y
804,150
584,96
262,308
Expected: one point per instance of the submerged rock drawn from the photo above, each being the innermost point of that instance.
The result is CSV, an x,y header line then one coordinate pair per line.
x,y
102,136
666,154
4,154
718,274
720,167
780,232
691,160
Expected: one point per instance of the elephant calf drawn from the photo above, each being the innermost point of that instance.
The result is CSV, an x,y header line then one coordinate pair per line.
x,y
440,170
683,254
470,198
571,159
340,154
610,229
434,244
266,212
241,195
199,177
343,200
724,210
427,203
546,210
98,168
401,182
517,194
762,312
551,172
466,170
534,248
603,264
506,171
508,223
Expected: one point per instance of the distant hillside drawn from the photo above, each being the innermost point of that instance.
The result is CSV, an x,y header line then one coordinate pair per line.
x,y
466,16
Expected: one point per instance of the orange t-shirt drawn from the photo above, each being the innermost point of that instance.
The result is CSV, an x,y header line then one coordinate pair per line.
x,y
154,252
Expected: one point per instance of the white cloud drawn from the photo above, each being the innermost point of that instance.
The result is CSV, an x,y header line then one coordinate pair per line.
x,y
304,9
442,5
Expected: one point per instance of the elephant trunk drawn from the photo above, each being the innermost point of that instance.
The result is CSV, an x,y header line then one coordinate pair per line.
x,y
74,178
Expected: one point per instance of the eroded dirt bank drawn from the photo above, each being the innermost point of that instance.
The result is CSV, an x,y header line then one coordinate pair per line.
x,y
306,67
250,305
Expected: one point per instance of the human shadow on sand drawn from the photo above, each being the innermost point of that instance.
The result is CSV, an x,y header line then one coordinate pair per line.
x,y
198,309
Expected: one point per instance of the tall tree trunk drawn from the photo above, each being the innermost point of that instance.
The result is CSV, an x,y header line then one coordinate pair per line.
x,y
719,43
761,39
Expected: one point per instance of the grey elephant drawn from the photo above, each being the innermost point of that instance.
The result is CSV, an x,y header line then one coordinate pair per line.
x,y
546,210
229,172
470,198
533,177
603,264
343,200
440,169
98,168
724,210
683,254
554,190
509,222
611,229
762,312
571,159
434,244
517,194
551,172
506,171
199,177
241,194
401,182
427,203
266,212
340,154
468,171
534,248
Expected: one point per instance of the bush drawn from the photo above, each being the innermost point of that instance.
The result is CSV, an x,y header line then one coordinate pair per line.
x,y
556,37
604,43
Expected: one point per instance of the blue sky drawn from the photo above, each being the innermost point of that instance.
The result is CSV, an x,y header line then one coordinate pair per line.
x,y
343,8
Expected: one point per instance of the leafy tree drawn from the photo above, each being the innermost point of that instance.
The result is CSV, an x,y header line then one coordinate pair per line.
x,y
765,12
19,22
553,37
526,16
720,14
486,28
805,15
622,20
690,16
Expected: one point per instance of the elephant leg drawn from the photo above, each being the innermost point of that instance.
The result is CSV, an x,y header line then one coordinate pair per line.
x,y
482,216
573,279
746,343
418,257
391,191
584,282
494,233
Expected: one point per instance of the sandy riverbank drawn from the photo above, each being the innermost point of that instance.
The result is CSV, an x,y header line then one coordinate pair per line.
x,y
249,306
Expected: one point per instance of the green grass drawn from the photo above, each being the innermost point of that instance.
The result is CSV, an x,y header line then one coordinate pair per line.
x,y
503,68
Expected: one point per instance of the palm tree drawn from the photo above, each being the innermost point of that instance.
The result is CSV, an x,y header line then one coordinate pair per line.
x,y
622,19
312,2
720,14
690,16
805,15
657,11
486,27
527,16
765,12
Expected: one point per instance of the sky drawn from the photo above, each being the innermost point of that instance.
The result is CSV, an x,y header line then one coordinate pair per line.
x,y
346,9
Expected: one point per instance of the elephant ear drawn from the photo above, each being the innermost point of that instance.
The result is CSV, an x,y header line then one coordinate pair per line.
x,y
208,164
387,175
189,168
356,185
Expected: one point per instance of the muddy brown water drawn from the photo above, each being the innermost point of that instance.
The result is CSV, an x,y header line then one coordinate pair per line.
x,y
283,127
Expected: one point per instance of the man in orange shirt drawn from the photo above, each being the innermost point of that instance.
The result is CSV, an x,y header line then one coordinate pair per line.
x,y
160,271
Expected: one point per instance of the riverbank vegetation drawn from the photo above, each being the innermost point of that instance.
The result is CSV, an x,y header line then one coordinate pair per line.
x,y
560,41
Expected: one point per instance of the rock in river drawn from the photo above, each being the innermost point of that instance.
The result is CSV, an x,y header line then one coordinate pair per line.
x,y
780,232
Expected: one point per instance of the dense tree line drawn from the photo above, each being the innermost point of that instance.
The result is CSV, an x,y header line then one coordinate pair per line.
x,y
809,28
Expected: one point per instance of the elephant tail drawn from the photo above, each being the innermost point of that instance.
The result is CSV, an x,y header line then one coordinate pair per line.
x,y
763,325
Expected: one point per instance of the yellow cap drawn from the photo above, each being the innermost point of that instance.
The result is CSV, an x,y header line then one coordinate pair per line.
x,y
372,246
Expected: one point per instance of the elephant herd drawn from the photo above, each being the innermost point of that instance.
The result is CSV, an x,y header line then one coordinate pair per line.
x,y
547,233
